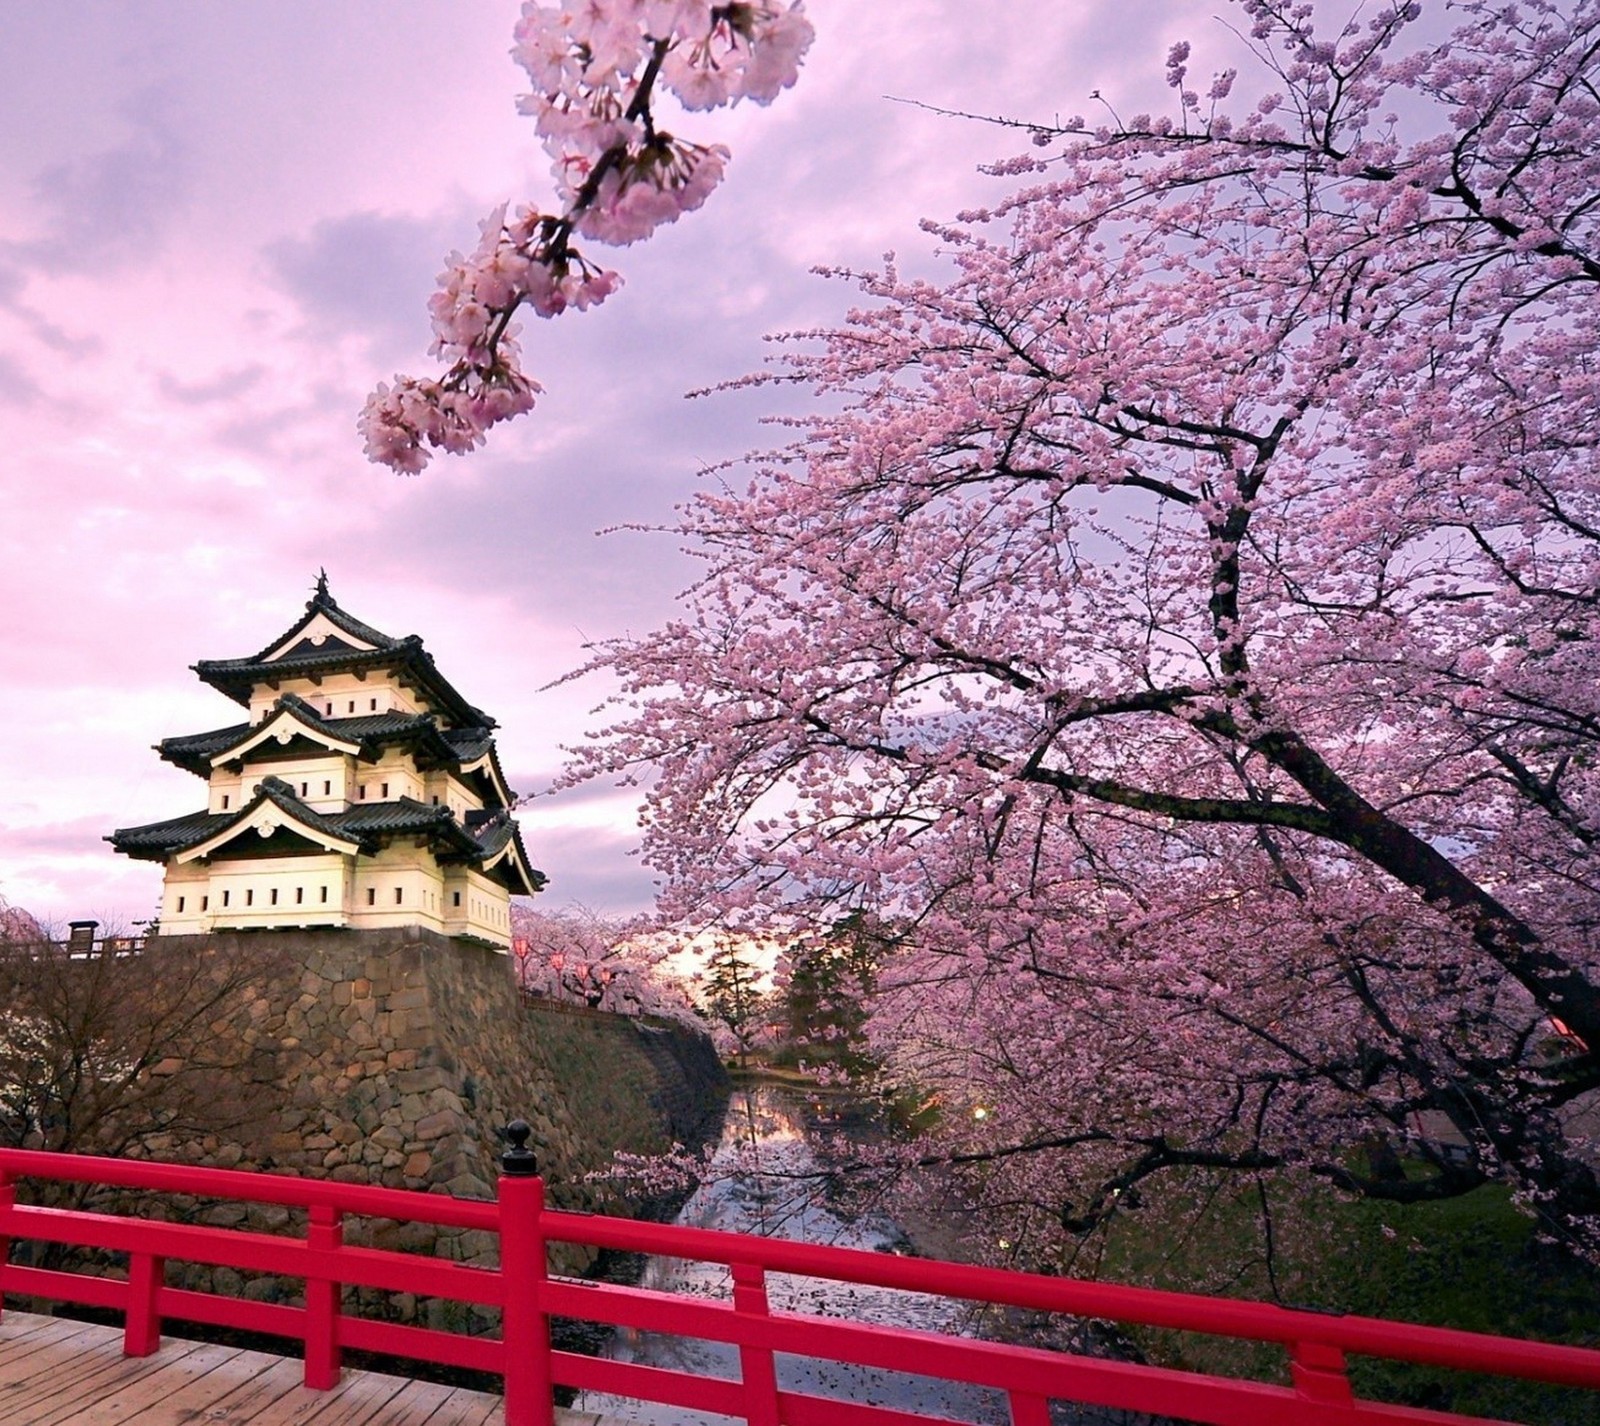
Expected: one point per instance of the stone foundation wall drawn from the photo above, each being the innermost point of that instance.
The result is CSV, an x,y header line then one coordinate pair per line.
x,y
395,1057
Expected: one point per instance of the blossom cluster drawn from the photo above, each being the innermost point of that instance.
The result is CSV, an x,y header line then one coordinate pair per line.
x,y
595,67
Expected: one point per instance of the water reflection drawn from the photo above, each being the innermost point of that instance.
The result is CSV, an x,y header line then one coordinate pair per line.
x,y
780,1199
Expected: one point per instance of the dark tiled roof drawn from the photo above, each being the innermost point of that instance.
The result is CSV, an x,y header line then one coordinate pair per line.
x,y
493,835
278,792
193,751
434,747
405,814
238,677
156,840
470,744
324,603
367,823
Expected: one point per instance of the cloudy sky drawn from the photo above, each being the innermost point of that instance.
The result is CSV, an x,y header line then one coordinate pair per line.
x,y
219,225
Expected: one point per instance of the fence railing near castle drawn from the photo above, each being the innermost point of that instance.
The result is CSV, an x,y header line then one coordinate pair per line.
x,y
1315,1345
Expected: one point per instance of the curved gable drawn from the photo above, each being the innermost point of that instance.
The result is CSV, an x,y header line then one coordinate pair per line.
x,y
274,810
292,719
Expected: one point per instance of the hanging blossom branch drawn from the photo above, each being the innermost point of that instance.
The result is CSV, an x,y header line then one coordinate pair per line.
x,y
596,68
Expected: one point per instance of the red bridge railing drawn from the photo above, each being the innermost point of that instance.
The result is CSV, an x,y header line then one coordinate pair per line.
x,y
1316,1345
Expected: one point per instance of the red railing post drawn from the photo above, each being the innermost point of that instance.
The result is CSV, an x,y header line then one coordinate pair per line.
x,y
325,1231
141,1331
524,1327
1318,1373
756,1366
1028,1409
8,1201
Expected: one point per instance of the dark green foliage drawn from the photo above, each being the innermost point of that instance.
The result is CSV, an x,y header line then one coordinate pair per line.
x,y
826,993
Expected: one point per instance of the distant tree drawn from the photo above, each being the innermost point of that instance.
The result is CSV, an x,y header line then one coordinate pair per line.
x,y
584,958
825,985
732,996
1185,621
142,1052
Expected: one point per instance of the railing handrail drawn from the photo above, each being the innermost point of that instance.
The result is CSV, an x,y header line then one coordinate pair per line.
x,y
1316,1341
1078,1297
253,1186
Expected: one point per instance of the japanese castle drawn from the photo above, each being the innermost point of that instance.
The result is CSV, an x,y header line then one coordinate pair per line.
x,y
363,792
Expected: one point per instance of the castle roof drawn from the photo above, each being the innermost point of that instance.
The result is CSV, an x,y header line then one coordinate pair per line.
x,y
294,725
326,640
283,824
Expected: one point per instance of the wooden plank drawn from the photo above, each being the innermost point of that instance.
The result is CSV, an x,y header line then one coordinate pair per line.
x,y
21,1331
68,1376
358,1399
468,1408
55,1371
148,1383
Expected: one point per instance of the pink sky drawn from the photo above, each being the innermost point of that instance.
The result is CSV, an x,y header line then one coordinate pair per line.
x,y
219,225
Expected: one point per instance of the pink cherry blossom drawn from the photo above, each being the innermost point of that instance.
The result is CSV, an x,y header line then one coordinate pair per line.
x,y
594,66
1179,625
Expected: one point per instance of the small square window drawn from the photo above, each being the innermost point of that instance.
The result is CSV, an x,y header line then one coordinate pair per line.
x,y
330,709
399,895
227,896
305,787
455,898
373,704
385,790
224,801
274,895
327,788
352,705
324,893
361,792
299,895
372,896
436,799
205,903
250,898
180,903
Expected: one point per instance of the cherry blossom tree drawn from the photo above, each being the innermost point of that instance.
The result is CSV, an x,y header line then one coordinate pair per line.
x,y
597,67
1181,623
582,958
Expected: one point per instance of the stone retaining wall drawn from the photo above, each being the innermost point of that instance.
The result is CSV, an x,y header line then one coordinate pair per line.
x,y
395,1057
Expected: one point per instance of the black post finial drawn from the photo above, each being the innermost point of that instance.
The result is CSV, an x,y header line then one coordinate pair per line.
x,y
518,1159
320,594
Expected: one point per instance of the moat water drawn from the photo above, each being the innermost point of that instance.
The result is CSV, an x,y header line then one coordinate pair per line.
x,y
781,1201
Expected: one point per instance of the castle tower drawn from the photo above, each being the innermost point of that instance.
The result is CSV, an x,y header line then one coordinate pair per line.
x,y
363,792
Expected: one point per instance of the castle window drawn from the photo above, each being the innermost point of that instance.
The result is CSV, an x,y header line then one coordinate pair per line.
x,y
399,895
180,903
250,898
372,896
373,704
327,788
299,895
361,792
455,898
330,710
205,903
224,801
352,705
274,895
436,799
304,787
227,896
324,893
385,790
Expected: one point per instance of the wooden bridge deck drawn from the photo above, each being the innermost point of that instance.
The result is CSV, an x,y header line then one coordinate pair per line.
x,y
57,1372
